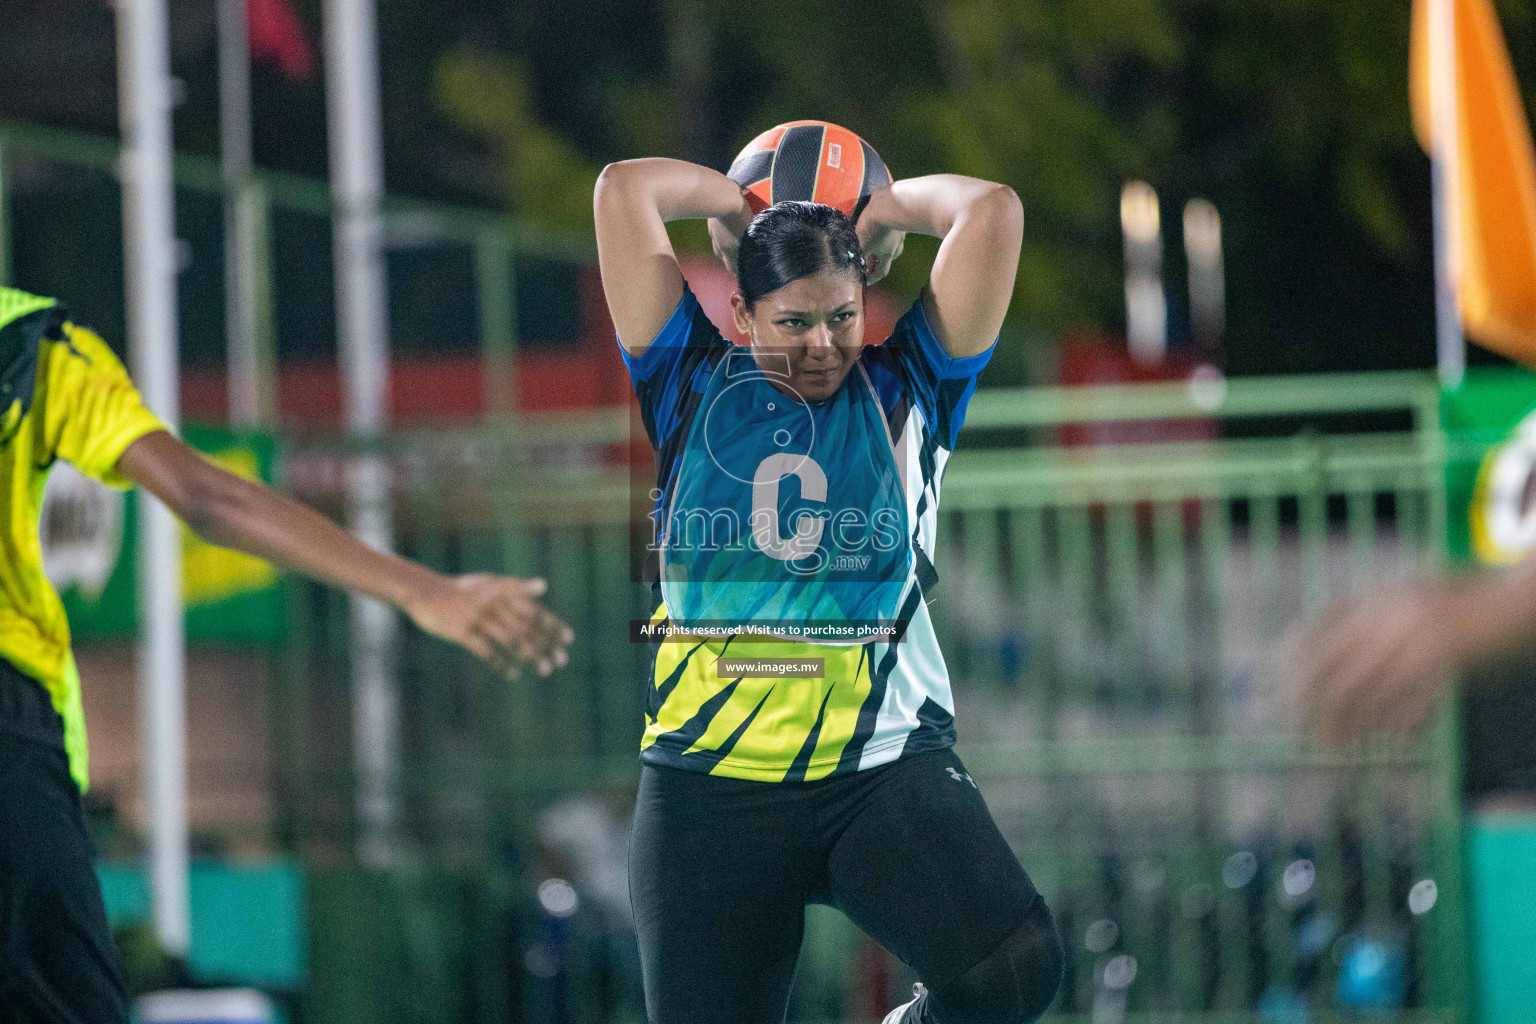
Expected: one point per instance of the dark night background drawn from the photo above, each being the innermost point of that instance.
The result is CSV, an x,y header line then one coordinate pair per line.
x,y
1291,115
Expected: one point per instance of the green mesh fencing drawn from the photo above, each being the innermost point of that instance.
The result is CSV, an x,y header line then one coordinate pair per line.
x,y
1109,615
460,280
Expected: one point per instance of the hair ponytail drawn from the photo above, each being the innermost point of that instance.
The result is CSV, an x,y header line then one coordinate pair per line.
x,y
791,240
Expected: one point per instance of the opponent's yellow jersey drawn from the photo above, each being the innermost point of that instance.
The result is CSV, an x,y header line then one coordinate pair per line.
x,y
84,409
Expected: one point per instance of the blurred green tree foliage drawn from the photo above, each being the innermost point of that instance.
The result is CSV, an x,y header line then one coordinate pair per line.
x,y
1291,115
547,178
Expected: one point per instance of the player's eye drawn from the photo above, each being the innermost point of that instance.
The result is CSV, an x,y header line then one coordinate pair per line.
x,y
792,321
843,317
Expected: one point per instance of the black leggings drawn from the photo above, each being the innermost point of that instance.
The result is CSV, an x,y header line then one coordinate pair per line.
x,y
58,964
721,870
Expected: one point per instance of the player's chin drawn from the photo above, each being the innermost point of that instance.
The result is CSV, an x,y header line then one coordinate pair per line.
x,y
819,385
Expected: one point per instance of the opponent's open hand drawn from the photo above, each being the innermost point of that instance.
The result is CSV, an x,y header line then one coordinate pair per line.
x,y
1381,664
498,618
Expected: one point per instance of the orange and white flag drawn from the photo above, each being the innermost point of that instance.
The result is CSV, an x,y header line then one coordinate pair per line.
x,y
1494,237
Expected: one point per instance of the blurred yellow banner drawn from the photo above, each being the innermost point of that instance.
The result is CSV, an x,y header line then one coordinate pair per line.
x,y
210,573
1495,233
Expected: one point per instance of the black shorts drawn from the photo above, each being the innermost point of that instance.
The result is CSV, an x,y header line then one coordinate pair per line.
x,y
58,963
721,870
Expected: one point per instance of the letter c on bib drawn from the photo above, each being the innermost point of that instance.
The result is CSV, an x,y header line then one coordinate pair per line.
x,y
765,505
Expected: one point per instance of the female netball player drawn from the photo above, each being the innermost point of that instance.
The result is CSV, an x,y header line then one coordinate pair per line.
x,y
65,395
798,480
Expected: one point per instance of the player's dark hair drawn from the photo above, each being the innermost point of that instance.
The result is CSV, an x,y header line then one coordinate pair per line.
x,y
791,240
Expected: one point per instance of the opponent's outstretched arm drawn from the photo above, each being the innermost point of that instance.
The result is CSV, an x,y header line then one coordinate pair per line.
x,y
982,225
496,617
1382,662
631,206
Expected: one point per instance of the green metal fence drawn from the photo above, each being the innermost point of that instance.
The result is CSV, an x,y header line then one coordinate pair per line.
x,y
1143,761
59,208
1109,616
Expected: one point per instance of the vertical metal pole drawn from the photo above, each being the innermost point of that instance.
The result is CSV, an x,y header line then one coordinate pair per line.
x,y
256,213
1445,177
1146,307
362,318
243,362
498,324
5,223
149,255
1207,276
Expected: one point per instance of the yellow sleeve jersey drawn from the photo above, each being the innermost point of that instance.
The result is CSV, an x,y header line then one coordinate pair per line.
x,y
66,396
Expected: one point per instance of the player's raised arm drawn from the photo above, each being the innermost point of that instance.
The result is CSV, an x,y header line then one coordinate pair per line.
x,y
631,206
496,617
982,225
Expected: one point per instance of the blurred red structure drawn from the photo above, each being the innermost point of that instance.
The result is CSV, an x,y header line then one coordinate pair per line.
x,y
586,374
1086,359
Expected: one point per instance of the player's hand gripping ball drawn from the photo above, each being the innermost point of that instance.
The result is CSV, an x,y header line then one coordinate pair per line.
x,y
812,161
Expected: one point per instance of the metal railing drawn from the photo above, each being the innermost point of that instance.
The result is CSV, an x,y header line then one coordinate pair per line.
x,y
1109,615
494,239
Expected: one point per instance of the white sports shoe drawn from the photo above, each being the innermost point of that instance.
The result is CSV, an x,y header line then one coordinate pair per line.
x,y
899,1015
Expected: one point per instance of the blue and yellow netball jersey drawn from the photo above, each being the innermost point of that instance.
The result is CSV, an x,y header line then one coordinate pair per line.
x,y
63,395
785,529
